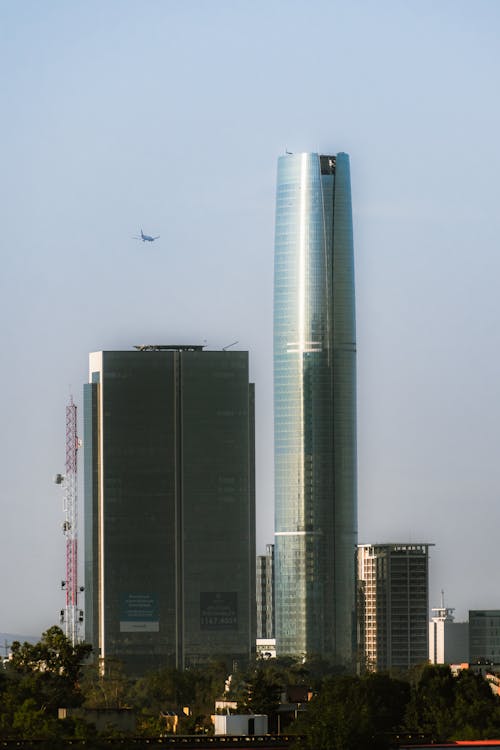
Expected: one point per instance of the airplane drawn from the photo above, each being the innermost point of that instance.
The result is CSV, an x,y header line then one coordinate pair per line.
x,y
146,237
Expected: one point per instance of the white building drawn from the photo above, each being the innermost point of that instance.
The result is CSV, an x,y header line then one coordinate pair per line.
x,y
266,648
240,724
448,640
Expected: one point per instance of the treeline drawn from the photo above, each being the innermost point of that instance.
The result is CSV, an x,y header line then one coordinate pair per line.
x,y
431,705
40,678
345,713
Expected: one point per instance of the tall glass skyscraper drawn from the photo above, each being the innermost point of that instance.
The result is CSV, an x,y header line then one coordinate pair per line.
x,y
315,409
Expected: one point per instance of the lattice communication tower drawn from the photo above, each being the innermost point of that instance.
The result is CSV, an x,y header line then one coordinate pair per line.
x,y
71,615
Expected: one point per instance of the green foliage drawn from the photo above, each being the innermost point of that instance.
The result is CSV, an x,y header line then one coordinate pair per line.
x,y
168,688
54,654
476,708
30,721
387,699
347,713
171,689
431,708
444,707
38,679
294,671
353,713
261,692
105,686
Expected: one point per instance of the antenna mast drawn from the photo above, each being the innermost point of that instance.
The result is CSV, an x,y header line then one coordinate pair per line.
x,y
71,615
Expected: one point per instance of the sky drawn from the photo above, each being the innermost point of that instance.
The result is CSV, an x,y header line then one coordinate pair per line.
x,y
170,115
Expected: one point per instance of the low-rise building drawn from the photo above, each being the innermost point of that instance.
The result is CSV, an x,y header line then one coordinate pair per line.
x,y
240,724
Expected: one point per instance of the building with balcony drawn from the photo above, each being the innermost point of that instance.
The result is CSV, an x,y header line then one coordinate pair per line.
x,y
393,605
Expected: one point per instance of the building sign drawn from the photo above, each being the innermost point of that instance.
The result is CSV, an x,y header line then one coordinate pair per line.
x,y
139,613
219,610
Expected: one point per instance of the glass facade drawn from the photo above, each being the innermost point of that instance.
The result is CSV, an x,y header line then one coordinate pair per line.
x,y
484,636
315,409
169,506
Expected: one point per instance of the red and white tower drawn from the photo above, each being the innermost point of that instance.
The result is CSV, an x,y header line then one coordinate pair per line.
x,y
72,616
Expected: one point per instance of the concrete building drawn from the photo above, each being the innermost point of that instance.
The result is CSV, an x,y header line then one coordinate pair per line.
x,y
265,594
315,409
393,605
169,507
448,640
242,725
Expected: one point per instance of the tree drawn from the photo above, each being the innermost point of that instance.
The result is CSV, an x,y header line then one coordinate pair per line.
x,y
40,678
337,718
172,689
353,713
431,707
444,707
261,693
31,721
387,699
476,710
105,686
53,655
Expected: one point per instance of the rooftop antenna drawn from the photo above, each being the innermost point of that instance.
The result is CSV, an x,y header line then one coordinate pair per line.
x,y
225,348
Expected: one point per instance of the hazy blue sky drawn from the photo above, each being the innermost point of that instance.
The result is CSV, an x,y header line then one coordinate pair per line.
x,y
170,115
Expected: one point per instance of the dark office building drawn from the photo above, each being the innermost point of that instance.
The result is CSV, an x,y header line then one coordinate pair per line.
x,y
169,507
484,637
393,605
265,593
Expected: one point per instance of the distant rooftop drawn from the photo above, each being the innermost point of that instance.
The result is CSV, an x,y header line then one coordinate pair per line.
x,y
169,347
398,545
